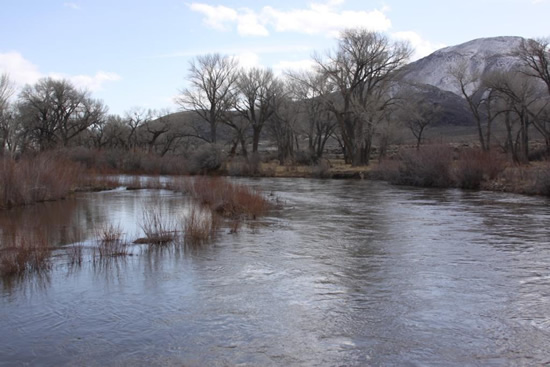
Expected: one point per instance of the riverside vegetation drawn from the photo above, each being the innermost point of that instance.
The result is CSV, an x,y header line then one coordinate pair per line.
x,y
340,120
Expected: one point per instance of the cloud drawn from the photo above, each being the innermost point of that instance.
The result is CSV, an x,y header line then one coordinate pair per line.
x,y
248,59
22,72
92,83
299,65
421,46
73,6
317,18
219,17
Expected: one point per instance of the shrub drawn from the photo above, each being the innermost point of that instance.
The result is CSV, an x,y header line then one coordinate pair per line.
x,y
111,242
156,227
428,167
25,253
199,226
475,166
228,199
48,176
207,158
321,169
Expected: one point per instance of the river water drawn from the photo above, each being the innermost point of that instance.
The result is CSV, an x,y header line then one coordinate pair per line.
x,y
353,273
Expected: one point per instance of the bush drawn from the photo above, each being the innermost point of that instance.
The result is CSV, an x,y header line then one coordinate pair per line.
x,y
48,176
207,158
476,166
427,167
228,199
321,169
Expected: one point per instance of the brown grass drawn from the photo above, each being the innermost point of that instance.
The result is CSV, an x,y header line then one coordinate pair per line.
x,y
29,252
111,242
228,199
157,228
475,166
48,176
428,167
199,226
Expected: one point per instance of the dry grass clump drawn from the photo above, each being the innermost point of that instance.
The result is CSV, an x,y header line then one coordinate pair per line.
x,y
199,226
22,253
111,241
47,176
157,228
74,253
228,199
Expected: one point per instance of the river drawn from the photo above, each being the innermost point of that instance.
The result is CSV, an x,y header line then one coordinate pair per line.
x,y
354,273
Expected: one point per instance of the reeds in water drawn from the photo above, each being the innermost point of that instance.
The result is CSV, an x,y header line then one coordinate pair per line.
x,y
111,242
28,252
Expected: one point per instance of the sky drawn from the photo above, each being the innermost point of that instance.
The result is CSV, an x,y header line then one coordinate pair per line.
x,y
136,53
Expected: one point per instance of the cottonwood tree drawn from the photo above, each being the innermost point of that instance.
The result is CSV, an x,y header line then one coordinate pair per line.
x,y
536,56
417,113
7,90
254,102
310,89
282,124
479,97
521,100
361,70
55,112
211,93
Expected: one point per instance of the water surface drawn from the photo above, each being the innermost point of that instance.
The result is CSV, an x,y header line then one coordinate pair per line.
x,y
345,273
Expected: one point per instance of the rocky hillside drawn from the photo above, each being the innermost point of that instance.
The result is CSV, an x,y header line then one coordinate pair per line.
x,y
482,55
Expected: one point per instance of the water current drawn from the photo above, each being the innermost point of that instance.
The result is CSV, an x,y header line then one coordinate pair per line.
x,y
353,273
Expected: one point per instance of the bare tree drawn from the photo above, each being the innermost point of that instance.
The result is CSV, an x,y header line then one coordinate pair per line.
x,y
417,113
479,97
211,93
7,89
310,89
282,124
536,56
520,98
256,88
361,70
55,112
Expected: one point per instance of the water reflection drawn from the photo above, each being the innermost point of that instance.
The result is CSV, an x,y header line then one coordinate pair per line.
x,y
347,273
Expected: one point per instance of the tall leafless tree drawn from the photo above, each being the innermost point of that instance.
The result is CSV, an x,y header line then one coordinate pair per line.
x,y
211,92
255,99
479,97
361,71
310,90
55,112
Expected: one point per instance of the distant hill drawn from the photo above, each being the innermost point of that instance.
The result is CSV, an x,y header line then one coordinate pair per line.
x,y
482,55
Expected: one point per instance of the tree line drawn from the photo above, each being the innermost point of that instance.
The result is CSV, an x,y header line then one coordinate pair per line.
x,y
353,96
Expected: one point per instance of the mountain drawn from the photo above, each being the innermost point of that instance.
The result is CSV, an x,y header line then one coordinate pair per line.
x,y
482,56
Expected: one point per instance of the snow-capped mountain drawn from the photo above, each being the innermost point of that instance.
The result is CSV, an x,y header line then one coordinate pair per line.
x,y
482,55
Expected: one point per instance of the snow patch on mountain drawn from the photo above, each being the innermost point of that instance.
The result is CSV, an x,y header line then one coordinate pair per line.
x,y
482,55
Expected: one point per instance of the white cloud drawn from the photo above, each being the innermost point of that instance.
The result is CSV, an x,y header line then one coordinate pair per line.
x,y
248,25
216,16
73,6
22,72
248,60
317,18
421,46
299,65
92,83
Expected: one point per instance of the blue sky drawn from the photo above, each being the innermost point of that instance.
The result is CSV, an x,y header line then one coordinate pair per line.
x,y
136,53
